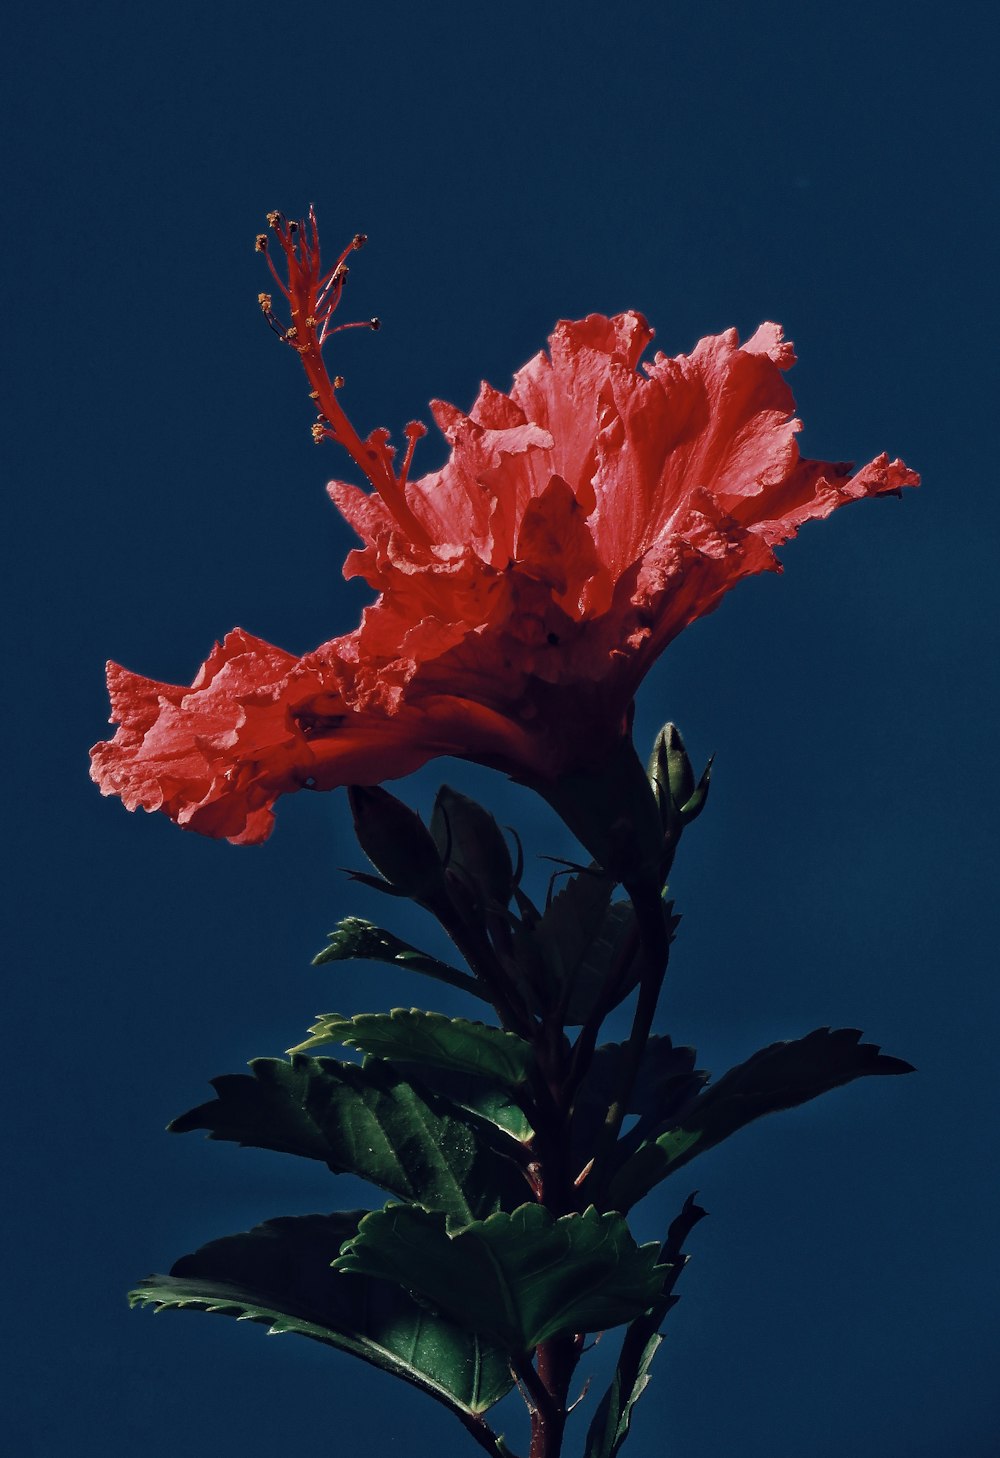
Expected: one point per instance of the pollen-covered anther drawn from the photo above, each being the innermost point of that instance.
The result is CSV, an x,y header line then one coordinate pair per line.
x,y
359,240
413,431
265,301
374,323
314,394
274,219
338,382
291,334
260,243
319,432
310,322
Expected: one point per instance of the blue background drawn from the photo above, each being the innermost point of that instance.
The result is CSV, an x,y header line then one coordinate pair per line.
x,y
711,164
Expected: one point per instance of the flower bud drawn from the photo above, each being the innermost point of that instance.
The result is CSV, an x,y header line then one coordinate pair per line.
x,y
396,841
680,800
471,845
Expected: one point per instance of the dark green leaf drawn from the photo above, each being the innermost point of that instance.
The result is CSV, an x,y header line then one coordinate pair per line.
x,y
518,1278
397,842
581,942
408,1035
613,1418
368,1121
485,1101
665,1085
777,1077
355,937
280,1274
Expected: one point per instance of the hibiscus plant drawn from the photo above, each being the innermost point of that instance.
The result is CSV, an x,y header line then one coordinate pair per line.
x,y
522,593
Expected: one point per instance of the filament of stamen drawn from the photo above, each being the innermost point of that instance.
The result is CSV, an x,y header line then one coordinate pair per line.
x,y
312,298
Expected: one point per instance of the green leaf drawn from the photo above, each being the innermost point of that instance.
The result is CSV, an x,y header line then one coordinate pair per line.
x,y
600,960
356,938
581,941
519,1278
280,1274
665,1086
408,1035
368,1121
613,1418
483,1100
777,1077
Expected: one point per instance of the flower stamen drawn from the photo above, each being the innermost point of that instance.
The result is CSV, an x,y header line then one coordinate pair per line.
x,y
414,431
313,296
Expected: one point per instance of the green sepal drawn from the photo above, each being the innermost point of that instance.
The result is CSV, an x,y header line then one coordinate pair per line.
x,y
369,1121
280,1274
777,1077
472,847
355,938
518,1278
693,807
410,1035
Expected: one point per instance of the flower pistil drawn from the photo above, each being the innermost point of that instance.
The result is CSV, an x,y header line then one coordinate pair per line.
x,y
313,296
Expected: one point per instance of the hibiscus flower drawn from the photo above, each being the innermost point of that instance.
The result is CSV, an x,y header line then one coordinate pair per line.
x,y
524,590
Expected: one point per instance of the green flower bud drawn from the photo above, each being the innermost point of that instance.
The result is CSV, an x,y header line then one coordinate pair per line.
x,y
679,798
472,846
397,842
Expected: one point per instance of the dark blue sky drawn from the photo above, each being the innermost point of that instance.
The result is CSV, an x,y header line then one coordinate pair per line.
x,y
711,165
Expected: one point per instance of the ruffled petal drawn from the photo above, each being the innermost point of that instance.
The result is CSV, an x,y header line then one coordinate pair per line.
x,y
523,590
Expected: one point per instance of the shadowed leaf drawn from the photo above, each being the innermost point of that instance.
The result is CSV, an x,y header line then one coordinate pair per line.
x,y
518,1278
582,939
280,1274
613,1418
777,1077
368,1121
665,1086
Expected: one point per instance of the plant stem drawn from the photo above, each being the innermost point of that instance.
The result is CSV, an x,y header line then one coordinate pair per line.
x,y
654,939
546,1388
484,1435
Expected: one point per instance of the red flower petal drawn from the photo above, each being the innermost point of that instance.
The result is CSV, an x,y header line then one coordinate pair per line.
x,y
580,523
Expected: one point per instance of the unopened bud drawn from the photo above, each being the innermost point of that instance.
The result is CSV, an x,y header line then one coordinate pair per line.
x,y
679,797
472,846
397,842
